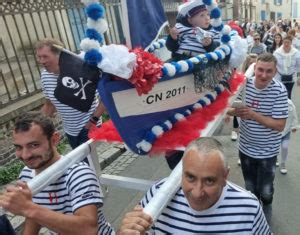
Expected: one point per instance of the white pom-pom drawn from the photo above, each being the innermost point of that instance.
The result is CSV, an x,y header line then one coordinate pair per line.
x,y
212,6
157,130
99,25
214,56
226,29
226,48
88,2
81,55
184,65
221,87
222,54
194,60
151,48
144,145
88,44
179,117
202,56
188,112
156,45
168,124
216,22
162,41
197,106
206,100
171,69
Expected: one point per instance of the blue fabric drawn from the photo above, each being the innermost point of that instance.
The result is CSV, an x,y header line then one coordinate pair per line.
x,y
82,137
5,226
145,19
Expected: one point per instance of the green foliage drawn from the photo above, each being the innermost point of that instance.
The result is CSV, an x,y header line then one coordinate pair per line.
x,y
10,171
62,147
105,117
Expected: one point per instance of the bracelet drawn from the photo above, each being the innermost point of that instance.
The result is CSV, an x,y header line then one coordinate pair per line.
x,y
94,119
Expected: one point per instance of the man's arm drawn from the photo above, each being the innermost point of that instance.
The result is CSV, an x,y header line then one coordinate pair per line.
x,y
97,114
48,108
18,201
31,227
267,121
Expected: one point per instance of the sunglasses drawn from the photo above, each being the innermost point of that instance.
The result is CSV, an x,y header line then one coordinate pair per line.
x,y
256,39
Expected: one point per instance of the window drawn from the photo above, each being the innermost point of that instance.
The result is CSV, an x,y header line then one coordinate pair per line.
x,y
279,15
263,15
263,1
277,2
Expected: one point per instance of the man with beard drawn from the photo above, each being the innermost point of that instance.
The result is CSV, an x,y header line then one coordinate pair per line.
x,y
206,203
72,204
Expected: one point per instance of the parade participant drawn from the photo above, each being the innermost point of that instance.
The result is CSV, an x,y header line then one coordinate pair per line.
x,y
72,204
288,65
76,123
205,203
290,126
262,120
183,41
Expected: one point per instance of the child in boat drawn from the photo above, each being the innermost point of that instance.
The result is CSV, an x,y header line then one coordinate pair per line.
x,y
192,34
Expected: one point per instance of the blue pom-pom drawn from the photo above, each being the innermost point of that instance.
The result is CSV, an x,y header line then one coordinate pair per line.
x,y
93,34
186,113
208,56
218,54
150,137
218,90
215,13
202,102
95,11
191,65
199,58
219,28
225,38
161,44
210,97
207,2
164,127
177,66
93,57
173,120
164,71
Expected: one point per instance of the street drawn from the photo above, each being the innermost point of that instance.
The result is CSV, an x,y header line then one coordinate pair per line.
x,y
286,213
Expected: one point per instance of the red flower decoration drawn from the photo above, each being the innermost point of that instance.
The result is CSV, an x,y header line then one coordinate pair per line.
x,y
147,71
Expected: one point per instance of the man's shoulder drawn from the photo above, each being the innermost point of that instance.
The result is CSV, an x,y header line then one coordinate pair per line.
x,y
241,192
278,86
26,174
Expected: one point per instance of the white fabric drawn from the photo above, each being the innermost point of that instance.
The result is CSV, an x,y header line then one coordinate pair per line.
x,y
292,120
117,60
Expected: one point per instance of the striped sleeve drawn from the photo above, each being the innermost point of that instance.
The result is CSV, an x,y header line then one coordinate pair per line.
x,y
280,106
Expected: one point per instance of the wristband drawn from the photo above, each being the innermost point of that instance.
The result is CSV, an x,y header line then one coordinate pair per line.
x,y
94,119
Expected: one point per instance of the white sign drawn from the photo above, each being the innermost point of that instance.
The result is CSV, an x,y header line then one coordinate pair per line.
x,y
166,95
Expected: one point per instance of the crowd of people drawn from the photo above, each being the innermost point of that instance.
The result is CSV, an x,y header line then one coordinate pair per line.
x,y
206,201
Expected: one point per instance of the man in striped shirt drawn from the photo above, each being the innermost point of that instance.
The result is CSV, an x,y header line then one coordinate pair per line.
x,y
205,203
263,118
72,204
76,123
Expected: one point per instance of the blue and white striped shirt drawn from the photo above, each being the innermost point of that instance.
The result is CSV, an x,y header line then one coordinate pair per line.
x,y
256,140
73,119
78,187
236,212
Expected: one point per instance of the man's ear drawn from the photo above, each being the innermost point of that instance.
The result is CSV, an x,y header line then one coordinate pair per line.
x,y
55,138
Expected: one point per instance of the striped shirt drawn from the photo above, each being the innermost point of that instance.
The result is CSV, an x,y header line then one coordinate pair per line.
x,y
188,42
236,212
73,120
256,140
78,187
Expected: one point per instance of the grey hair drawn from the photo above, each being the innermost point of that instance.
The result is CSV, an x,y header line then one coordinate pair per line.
x,y
207,145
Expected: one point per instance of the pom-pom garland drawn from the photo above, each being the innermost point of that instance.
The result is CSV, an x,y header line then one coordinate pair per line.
x,y
96,26
215,13
145,145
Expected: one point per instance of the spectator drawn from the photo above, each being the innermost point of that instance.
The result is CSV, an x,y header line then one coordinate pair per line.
x,y
257,47
288,64
70,205
183,42
76,123
290,126
263,118
276,43
206,203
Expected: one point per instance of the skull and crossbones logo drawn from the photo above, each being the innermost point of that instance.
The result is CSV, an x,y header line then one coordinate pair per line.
x,y
72,84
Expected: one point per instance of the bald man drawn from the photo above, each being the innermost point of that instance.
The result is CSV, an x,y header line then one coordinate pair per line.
x,y
205,203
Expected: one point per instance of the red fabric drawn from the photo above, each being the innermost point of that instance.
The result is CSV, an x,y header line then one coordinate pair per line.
x,y
183,132
237,28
